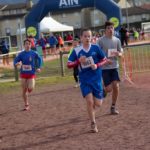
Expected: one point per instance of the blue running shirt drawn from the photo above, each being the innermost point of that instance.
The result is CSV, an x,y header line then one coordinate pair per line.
x,y
93,55
28,60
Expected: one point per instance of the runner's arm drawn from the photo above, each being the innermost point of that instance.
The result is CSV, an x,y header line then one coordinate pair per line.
x,y
103,62
73,64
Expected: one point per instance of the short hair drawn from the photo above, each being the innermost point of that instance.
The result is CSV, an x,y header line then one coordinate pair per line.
x,y
27,40
108,23
76,39
84,29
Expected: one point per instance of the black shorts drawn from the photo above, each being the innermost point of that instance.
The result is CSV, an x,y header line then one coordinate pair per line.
x,y
110,75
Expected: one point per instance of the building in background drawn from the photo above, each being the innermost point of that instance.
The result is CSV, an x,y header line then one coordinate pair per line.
x,y
12,14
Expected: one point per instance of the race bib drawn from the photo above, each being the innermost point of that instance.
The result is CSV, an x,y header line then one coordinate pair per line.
x,y
112,52
26,67
89,61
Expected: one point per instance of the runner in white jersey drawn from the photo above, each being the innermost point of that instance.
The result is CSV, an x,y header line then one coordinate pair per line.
x,y
112,48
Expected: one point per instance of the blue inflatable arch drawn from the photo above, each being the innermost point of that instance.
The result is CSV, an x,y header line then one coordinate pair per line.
x,y
41,9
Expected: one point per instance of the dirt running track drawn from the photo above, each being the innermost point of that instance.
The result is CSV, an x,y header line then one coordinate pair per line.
x,y
58,120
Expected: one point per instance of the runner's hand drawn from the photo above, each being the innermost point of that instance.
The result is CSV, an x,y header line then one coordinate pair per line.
x,y
82,59
17,64
109,61
38,70
94,66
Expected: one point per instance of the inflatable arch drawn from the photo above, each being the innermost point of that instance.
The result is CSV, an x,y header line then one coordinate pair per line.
x,y
41,9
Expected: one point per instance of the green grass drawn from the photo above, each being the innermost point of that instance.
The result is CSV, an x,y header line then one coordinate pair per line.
x,y
14,86
53,68
13,49
50,68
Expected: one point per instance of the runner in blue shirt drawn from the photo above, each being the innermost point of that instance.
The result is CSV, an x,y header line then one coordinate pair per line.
x,y
28,59
89,58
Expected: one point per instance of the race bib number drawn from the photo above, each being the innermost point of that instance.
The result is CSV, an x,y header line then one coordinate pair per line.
x,y
89,61
26,67
112,52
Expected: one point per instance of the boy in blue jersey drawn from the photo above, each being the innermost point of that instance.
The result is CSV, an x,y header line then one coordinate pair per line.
x,y
28,69
89,58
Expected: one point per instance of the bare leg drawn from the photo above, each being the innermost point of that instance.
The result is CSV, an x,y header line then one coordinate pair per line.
x,y
97,102
91,103
115,92
25,97
25,93
90,107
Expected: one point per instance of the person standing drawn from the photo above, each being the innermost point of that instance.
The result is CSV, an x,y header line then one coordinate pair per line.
x,y
89,58
5,52
124,36
33,42
27,58
42,42
52,42
75,43
112,47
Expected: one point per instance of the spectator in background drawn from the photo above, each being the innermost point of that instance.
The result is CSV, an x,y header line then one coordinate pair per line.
x,y
136,35
33,42
52,42
5,51
142,34
65,37
131,31
69,39
42,42
60,41
124,34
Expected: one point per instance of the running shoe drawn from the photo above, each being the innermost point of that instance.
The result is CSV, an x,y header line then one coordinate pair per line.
x,y
114,111
94,127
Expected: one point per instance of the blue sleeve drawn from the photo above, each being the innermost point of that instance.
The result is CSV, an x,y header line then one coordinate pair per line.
x,y
17,59
72,56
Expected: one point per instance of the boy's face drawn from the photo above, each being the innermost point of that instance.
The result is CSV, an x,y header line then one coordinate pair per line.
x,y
75,43
110,30
86,37
27,45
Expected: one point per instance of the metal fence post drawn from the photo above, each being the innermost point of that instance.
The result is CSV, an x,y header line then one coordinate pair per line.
x,y
16,70
62,64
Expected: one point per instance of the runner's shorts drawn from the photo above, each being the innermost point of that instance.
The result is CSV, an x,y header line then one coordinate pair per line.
x,y
110,75
95,88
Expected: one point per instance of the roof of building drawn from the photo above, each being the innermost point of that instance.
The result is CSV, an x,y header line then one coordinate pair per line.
x,y
135,11
8,2
15,4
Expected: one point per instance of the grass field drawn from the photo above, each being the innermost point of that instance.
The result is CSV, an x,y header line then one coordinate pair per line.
x,y
136,58
50,68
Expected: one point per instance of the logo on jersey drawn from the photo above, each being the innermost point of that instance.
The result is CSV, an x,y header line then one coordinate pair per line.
x,y
68,3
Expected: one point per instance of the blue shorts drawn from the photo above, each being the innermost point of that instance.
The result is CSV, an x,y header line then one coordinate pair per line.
x,y
95,88
110,75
